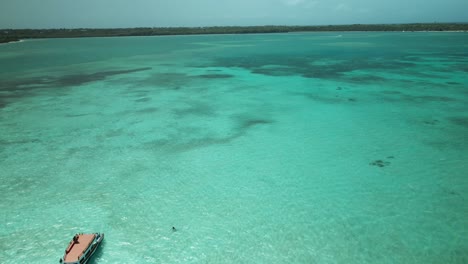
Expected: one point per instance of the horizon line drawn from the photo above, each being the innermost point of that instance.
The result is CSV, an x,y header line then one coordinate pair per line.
x,y
250,26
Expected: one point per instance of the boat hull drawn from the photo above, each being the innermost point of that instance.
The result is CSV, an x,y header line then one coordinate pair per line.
x,y
81,248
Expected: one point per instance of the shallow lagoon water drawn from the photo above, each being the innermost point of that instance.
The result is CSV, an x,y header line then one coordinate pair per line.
x,y
272,148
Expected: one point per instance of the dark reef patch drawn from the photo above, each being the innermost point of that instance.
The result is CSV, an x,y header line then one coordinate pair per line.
x,y
176,81
455,131
19,88
330,99
137,92
248,123
19,142
379,163
215,76
197,109
455,140
176,145
113,133
79,79
192,138
275,71
432,122
366,78
321,98
76,115
169,80
449,191
143,100
460,121
295,65
391,92
406,98
431,98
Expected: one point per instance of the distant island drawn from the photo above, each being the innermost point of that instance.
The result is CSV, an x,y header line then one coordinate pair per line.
x,y
11,35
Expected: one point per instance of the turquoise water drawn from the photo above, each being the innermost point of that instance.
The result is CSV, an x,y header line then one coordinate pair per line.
x,y
288,148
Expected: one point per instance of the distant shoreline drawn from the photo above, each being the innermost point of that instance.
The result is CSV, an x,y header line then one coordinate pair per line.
x,y
12,41
9,40
14,35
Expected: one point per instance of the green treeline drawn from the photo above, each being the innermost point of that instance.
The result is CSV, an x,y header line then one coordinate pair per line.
x,y
8,35
6,38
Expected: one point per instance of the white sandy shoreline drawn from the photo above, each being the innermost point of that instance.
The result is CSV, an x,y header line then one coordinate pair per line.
x,y
12,42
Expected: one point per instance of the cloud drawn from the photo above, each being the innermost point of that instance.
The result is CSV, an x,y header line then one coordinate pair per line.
x,y
342,7
302,3
293,2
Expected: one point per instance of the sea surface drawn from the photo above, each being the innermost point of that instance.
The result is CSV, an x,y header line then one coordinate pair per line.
x,y
269,148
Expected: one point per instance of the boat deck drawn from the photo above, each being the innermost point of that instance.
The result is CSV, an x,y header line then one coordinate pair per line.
x,y
75,249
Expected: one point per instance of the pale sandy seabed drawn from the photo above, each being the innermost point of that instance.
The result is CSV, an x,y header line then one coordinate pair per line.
x,y
271,148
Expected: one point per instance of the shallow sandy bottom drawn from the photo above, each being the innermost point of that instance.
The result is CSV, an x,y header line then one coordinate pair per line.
x,y
289,148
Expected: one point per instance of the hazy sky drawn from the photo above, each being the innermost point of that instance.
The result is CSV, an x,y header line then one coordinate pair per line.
x,y
163,13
